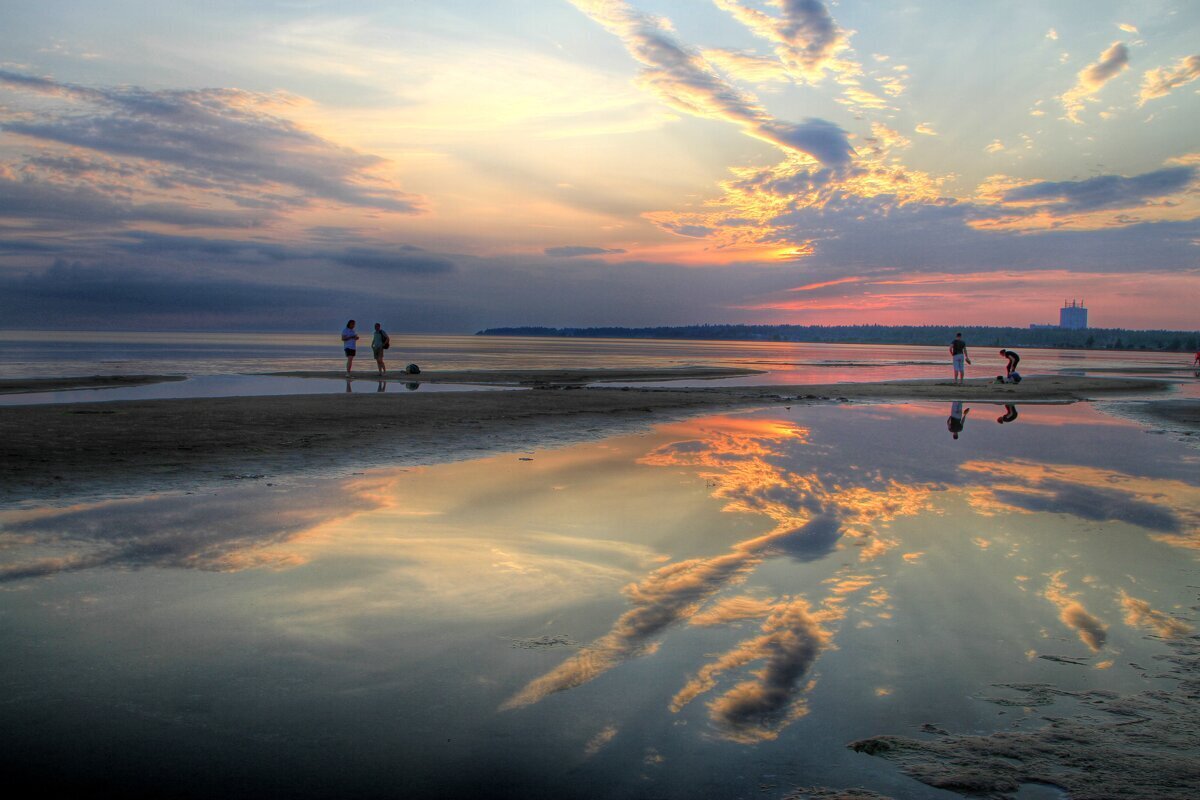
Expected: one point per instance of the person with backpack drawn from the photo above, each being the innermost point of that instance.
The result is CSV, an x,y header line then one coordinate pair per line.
x,y
380,342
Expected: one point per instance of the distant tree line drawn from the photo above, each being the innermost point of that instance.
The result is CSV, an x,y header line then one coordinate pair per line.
x,y
976,335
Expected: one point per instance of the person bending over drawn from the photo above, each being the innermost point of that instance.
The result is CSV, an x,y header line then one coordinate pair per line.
x,y
1013,360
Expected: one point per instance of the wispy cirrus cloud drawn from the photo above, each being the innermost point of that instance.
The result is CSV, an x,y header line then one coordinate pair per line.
x,y
1092,78
808,44
687,82
748,67
805,37
1163,80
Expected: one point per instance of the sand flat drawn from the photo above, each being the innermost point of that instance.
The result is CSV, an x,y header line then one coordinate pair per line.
x,y
30,385
536,377
58,450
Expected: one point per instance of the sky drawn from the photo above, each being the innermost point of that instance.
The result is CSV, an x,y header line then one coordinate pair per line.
x,y
454,165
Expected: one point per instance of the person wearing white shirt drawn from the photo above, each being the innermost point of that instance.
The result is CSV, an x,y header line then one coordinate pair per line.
x,y
350,345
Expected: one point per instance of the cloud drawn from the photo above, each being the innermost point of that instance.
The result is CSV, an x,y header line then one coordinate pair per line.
x,y
1052,35
758,709
1074,615
1125,26
1085,502
1092,78
805,37
1160,82
84,205
1103,191
240,528
571,251
810,518
688,83
1168,508
1140,614
925,128
995,147
748,66
731,610
665,598
813,541
222,138
402,260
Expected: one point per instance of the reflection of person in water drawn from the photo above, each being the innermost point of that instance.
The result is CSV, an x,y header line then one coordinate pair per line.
x,y
1009,415
957,418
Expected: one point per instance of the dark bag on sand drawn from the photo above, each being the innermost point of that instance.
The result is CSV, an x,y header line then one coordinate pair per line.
x,y
412,369
1015,377
387,340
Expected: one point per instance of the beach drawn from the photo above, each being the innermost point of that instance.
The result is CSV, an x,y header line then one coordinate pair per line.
x,y
124,446
558,562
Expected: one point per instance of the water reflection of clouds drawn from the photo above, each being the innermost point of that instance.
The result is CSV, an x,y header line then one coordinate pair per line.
x,y
1074,615
241,528
750,464
1168,508
1140,614
758,708
823,499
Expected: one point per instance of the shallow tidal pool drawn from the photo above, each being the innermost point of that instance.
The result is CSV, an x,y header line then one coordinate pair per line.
x,y
713,608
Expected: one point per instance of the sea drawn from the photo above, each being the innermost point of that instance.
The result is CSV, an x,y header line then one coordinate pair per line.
x,y
715,606
238,364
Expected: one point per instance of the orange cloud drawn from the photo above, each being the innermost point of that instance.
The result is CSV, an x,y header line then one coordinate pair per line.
x,y
1162,81
1092,78
1074,615
1140,614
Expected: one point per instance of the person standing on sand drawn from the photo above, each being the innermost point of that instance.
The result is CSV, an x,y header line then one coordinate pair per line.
x,y
379,342
349,345
957,418
958,353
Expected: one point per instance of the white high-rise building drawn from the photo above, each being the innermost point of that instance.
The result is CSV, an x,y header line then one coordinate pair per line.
x,y
1072,316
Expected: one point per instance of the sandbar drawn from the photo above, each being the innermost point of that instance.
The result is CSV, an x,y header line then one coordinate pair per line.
x,y
538,377
53,451
29,385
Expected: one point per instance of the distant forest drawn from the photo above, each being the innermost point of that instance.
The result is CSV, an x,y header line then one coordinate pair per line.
x,y
975,335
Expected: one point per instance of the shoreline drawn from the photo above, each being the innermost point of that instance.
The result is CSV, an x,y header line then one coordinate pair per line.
x,y
54,451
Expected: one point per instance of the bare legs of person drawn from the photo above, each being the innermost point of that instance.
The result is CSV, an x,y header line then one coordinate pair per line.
x,y
349,363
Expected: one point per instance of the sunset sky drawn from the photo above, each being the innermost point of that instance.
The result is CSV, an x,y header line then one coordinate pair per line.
x,y
452,165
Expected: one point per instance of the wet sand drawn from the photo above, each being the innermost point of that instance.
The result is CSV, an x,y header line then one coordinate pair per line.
x,y
54,451
1140,746
28,385
535,377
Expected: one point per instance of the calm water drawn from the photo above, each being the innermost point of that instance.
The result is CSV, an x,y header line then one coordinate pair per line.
x,y
223,364
713,608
